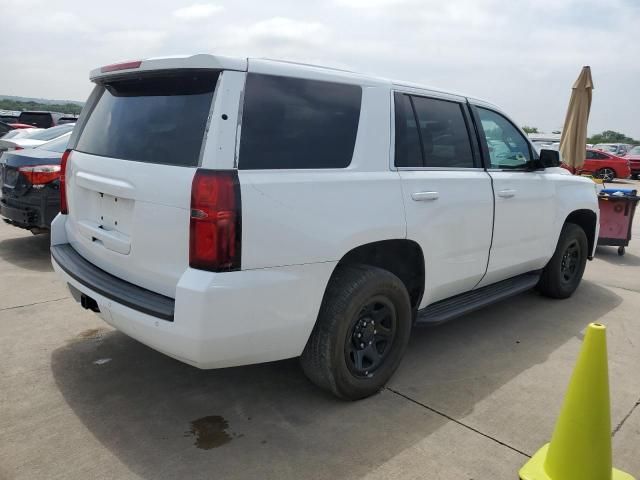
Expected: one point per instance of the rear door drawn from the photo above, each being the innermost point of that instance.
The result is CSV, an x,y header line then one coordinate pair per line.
x,y
129,176
447,194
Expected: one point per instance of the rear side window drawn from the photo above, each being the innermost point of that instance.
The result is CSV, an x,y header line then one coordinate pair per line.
x,y
151,119
444,134
408,148
431,133
37,119
296,123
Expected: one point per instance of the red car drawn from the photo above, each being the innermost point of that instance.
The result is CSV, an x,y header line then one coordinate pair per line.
x,y
605,165
633,156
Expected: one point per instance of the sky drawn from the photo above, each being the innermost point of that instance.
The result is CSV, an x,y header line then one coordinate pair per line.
x,y
522,55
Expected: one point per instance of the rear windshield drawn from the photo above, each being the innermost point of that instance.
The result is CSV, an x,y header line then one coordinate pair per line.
x,y
37,119
51,133
58,145
152,119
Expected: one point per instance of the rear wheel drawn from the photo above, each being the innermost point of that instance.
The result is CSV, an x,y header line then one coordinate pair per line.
x,y
563,273
607,174
361,333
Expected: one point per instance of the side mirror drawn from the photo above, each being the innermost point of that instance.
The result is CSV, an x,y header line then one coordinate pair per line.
x,y
549,158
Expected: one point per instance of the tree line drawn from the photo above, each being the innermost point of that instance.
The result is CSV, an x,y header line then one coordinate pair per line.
x,y
608,136
8,104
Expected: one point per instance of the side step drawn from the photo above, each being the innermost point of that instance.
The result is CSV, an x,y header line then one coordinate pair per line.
x,y
473,300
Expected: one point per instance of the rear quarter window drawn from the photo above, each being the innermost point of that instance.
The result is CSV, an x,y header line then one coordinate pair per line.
x,y
152,119
293,123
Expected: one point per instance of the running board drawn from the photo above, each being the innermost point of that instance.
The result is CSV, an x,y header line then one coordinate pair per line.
x,y
467,302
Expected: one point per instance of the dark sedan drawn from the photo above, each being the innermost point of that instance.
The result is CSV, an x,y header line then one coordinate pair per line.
x,y
30,182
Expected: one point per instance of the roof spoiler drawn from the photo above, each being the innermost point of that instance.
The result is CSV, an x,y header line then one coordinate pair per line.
x,y
200,61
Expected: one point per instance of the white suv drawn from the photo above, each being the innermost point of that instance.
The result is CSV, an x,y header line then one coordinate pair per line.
x,y
229,211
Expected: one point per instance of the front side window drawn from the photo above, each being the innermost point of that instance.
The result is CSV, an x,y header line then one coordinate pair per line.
x,y
508,149
293,123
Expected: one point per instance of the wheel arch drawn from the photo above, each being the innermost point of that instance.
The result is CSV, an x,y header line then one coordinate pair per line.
x,y
587,220
404,258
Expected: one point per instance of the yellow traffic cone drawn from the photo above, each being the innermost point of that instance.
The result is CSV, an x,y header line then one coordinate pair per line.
x,y
580,448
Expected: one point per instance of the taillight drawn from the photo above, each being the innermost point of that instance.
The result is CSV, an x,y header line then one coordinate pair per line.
x,y
114,67
40,174
64,209
215,227
18,148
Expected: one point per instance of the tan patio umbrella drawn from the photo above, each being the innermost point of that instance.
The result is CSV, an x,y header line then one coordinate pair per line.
x,y
574,134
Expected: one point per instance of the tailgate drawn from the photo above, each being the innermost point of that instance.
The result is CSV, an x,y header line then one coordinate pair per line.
x,y
129,176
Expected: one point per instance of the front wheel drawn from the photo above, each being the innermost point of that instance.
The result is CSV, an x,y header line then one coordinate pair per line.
x,y
361,333
563,273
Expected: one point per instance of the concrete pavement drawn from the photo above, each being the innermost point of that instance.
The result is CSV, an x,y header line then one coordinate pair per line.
x,y
472,399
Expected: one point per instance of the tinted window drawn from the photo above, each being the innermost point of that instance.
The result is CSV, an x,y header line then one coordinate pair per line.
x,y
296,123
37,119
508,148
590,155
51,133
153,119
408,150
444,135
599,156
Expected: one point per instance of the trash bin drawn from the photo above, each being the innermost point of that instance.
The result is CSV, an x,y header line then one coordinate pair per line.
x,y
617,207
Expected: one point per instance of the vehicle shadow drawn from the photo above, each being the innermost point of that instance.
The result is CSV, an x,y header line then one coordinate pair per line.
x,y
28,252
610,255
162,418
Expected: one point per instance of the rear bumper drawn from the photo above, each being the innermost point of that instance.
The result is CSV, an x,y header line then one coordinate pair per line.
x,y
29,215
220,319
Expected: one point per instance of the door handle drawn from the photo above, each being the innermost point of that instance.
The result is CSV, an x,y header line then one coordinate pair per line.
x,y
424,196
507,193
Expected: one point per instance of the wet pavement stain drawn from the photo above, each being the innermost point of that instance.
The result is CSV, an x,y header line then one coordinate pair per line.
x,y
210,432
92,334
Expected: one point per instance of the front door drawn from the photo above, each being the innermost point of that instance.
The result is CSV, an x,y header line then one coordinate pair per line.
x,y
524,201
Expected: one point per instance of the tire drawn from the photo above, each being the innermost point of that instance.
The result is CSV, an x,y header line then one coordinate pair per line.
x,y
607,174
562,275
334,358
621,251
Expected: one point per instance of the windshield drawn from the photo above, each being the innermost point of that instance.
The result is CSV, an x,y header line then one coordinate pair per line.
x,y
53,132
607,148
635,150
58,145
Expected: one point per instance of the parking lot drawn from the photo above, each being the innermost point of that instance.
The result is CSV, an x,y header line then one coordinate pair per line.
x,y
472,399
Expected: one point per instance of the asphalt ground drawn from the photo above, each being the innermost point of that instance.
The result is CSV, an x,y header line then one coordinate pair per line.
x,y
473,398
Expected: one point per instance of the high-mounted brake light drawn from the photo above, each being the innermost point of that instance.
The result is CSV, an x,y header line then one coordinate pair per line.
x,y
64,209
114,67
215,225
40,174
